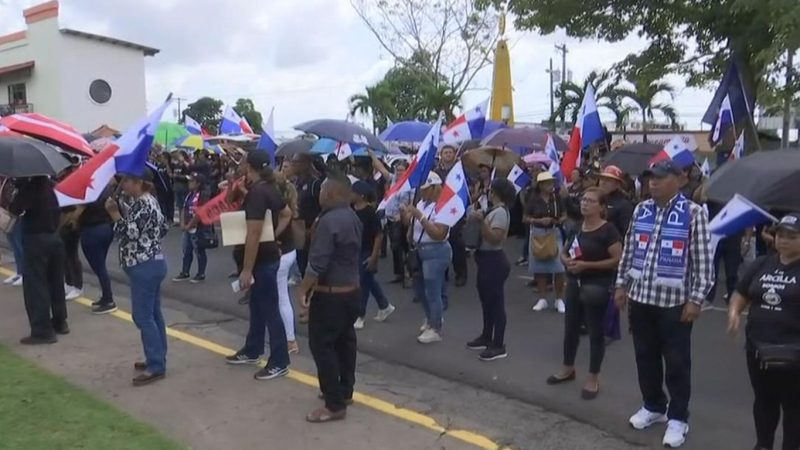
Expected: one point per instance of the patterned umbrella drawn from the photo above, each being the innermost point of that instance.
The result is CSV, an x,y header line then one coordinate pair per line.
x,y
48,130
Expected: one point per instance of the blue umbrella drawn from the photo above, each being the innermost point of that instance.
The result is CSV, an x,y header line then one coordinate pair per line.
x,y
409,131
325,146
491,126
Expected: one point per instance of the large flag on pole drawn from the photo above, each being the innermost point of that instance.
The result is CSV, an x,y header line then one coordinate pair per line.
x,y
724,121
267,141
466,126
731,101
419,167
126,155
453,201
587,130
232,123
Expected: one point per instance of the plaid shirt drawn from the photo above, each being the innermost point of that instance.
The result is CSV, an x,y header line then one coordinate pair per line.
x,y
700,270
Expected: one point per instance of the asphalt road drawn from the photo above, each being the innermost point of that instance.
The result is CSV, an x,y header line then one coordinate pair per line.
x,y
721,395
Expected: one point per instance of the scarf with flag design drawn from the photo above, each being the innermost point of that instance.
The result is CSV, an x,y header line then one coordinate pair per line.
x,y
673,242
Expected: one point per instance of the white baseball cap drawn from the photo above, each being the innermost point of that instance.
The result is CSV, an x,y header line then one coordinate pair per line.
x,y
433,180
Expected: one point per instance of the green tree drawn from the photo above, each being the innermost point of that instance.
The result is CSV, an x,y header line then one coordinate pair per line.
x,y
376,102
207,112
245,108
436,99
644,93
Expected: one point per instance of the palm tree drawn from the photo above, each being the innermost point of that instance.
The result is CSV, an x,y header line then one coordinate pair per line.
x,y
436,99
606,96
643,94
376,102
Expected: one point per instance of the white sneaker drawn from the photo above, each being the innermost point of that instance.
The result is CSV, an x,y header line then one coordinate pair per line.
x,y
17,282
429,336
541,305
359,325
676,433
561,306
73,293
11,279
384,313
644,418
424,326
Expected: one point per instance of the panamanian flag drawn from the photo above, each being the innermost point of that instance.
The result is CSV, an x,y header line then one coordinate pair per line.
x,y
674,247
587,130
642,240
676,150
519,178
232,123
575,249
453,201
466,126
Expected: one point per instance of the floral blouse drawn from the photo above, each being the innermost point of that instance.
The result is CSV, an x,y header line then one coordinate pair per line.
x,y
140,231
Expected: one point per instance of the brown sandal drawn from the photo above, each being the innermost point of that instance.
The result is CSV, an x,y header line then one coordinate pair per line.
x,y
322,415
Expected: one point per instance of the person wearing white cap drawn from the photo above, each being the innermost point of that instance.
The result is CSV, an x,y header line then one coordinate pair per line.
x,y
544,212
429,258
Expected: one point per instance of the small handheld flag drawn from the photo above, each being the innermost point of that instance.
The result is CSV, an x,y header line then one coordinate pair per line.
x,y
519,178
466,126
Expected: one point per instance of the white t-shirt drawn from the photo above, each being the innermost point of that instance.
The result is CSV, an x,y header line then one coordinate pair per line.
x,y
427,210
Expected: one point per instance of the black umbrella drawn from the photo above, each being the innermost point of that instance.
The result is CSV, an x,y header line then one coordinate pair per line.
x,y
295,147
26,157
769,179
343,131
523,140
632,159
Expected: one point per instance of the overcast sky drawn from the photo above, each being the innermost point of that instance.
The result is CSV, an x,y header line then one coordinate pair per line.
x,y
305,58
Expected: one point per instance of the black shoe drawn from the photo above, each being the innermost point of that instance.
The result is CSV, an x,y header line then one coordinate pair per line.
x,y
97,302
479,343
268,373
38,340
241,358
198,278
61,328
104,308
461,281
182,277
552,379
492,353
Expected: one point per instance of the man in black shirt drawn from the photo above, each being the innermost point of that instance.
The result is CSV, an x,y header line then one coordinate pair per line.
x,y
308,187
329,294
43,283
620,207
260,263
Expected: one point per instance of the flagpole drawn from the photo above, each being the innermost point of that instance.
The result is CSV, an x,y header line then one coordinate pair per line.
x,y
749,110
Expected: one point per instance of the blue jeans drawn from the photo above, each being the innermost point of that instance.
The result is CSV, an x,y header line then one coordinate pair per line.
x,y
190,247
265,314
369,285
95,242
15,241
429,284
145,279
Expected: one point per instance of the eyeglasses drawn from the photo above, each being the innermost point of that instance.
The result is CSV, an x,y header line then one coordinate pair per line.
x,y
589,200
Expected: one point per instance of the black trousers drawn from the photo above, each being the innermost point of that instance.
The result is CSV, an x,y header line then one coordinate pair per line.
x,y
397,240
493,271
729,253
593,315
73,269
662,344
775,390
43,283
333,344
456,240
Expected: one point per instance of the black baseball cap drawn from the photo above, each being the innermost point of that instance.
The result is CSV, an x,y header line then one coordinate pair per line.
x,y
258,159
790,222
661,169
362,188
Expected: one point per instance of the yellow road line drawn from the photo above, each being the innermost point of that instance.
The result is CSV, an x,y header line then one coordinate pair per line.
x,y
409,415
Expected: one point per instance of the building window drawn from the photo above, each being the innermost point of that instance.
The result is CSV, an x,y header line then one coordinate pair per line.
x,y
100,91
16,94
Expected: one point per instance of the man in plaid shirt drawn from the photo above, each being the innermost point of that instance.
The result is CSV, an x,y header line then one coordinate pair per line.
x,y
665,289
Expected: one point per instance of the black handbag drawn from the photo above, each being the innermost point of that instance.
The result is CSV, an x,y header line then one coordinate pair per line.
x,y
413,263
207,237
778,356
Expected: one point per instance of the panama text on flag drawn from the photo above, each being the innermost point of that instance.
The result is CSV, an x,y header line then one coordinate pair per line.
x,y
519,178
587,130
126,155
676,150
453,201
466,126
232,123
419,167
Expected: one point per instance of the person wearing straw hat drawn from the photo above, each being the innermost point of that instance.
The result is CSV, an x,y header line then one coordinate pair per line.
x,y
620,207
544,212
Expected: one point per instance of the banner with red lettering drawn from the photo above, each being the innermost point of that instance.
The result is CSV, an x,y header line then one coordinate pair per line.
x,y
211,210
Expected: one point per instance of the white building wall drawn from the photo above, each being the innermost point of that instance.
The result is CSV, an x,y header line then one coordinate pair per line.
x,y
83,61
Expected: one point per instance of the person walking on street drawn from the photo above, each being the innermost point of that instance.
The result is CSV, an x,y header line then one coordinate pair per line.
x,y
371,239
197,196
433,253
329,295
43,281
591,259
139,233
260,264
493,270
769,286
664,276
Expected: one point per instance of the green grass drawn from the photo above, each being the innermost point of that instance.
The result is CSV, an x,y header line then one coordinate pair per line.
x,y
42,411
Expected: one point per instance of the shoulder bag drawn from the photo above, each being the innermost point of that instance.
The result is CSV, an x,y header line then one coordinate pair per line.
x,y
545,247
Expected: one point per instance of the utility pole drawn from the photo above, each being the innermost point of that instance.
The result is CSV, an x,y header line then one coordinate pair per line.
x,y
787,101
180,117
563,49
552,111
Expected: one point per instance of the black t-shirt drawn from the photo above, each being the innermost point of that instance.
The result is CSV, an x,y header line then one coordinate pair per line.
x,y
308,200
38,201
539,208
573,201
263,196
371,227
180,175
95,212
774,293
593,246
619,211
